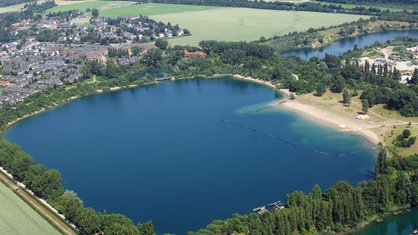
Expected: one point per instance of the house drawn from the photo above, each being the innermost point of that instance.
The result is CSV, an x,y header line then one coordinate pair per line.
x,y
188,54
4,83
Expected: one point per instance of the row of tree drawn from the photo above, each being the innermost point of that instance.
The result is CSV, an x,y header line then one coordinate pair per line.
x,y
338,208
368,2
47,184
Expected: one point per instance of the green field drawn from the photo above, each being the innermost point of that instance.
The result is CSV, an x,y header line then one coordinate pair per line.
x,y
11,8
84,5
17,217
242,24
219,23
151,9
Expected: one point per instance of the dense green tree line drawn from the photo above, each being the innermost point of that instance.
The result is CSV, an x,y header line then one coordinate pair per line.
x,y
338,208
47,184
372,1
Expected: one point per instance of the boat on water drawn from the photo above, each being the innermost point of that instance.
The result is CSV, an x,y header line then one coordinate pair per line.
x,y
415,231
260,208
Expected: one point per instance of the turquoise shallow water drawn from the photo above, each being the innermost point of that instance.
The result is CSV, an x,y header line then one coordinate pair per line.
x,y
402,224
187,152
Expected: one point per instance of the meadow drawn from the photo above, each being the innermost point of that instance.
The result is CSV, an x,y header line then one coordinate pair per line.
x,y
79,5
11,8
242,24
218,23
17,217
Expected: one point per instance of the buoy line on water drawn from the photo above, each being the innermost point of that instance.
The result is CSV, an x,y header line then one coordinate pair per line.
x,y
289,142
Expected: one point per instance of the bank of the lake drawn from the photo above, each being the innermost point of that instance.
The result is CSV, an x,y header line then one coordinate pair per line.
x,y
341,46
184,153
402,224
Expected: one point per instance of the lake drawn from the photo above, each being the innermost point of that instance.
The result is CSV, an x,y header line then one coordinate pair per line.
x,y
341,46
187,152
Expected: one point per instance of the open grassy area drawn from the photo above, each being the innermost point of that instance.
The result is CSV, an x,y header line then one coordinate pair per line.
x,y
151,9
397,130
80,6
242,24
11,8
17,217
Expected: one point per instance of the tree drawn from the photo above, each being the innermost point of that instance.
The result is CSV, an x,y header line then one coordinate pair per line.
x,y
111,69
406,133
136,51
94,12
338,84
365,106
320,89
146,228
153,57
414,78
162,44
346,97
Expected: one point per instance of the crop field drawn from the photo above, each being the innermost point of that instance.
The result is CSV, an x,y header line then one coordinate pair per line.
x,y
218,23
151,9
242,24
79,5
17,217
11,8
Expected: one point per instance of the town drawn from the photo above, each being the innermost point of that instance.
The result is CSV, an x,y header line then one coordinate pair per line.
x,y
48,50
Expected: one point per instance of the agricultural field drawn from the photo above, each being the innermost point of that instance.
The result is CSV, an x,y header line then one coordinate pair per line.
x,y
218,23
11,8
242,24
80,5
151,9
17,217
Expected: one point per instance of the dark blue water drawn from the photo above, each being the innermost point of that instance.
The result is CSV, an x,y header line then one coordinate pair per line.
x,y
341,46
162,152
402,224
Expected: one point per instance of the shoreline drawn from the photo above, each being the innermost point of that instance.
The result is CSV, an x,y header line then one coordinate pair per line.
x,y
340,122
98,91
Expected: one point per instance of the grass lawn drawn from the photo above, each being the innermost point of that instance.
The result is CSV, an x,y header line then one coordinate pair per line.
x,y
243,24
17,217
397,130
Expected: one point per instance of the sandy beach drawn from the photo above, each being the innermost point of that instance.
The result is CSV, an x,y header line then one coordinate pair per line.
x,y
259,81
330,111
341,121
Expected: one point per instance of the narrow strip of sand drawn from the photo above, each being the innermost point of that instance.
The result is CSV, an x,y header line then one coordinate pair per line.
x,y
320,112
340,121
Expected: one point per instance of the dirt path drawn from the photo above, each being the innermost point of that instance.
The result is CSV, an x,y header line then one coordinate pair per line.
x,y
53,218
